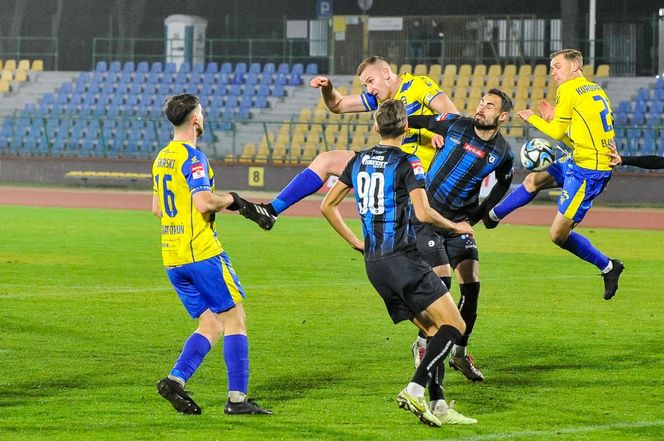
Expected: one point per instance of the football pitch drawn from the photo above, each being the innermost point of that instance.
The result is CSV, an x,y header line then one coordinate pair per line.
x,y
89,323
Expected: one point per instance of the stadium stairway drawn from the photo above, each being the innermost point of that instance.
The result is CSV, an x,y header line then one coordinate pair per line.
x,y
31,91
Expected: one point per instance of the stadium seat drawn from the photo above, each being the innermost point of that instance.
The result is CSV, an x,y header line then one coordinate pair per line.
x,y
212,68
602,71
37,65
23,65
115,66
102,66
312,69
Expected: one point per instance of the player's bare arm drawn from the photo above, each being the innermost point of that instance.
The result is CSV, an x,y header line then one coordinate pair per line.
x,y
441,104
428,215
329,208
209,202
156,209
333,100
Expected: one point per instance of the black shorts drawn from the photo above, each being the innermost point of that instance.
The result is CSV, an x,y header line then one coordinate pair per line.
x,y
406,283
442,247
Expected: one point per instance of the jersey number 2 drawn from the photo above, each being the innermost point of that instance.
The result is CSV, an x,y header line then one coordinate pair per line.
x,y
604,114
169,196
371,192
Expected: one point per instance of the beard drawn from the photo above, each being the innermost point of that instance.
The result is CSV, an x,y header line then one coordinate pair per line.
x,y
487,125
199,130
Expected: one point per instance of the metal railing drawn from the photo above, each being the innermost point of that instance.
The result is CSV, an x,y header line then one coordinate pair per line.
x,y
31,48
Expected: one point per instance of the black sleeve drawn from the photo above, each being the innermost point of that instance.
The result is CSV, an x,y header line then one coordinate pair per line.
x,y
504,175
651,162
436,123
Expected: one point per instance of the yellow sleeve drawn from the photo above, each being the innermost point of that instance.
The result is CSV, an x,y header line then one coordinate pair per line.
x,y
562,116
429,90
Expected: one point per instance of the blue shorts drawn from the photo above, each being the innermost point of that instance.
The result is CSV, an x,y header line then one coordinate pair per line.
x,y
209,284
579,187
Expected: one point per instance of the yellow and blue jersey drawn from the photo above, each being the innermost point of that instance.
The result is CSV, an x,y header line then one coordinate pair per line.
x,y
583,113
187,235
416,93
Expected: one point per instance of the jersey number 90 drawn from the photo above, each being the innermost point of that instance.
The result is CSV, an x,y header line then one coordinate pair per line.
x,y
371,192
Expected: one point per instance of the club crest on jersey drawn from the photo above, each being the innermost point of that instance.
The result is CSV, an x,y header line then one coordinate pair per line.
x,y
197,170
474,150
492,159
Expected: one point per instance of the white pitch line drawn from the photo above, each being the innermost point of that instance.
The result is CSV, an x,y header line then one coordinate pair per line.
x,y
553,432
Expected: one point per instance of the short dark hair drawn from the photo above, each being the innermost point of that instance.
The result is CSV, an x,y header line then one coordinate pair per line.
x,y
569,54
178,107
369,62
391,118
505,100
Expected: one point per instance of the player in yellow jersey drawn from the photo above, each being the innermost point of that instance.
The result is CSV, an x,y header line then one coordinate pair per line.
x,y
196,264
420,95
582,118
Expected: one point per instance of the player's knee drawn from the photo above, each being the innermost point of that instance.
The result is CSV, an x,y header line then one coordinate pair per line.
x,y
530,183
558,237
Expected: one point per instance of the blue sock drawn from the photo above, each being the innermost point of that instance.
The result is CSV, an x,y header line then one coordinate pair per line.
x,y
304,184
236,355
581,247
518,198
194,351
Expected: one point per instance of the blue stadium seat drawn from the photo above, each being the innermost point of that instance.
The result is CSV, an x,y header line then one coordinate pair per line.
x,y
199,68
185,67
298,68
115,66
170,68
129,67
255,68
212,68
142,67
648,147
226,68
101,66
278,90
312,69
157,67
284,68
295,79
269,69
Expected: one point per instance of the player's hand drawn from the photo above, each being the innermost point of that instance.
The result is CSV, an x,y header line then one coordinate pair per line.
x,y
525,114
358,246
546,110
320,81
464,228
616,159
438,141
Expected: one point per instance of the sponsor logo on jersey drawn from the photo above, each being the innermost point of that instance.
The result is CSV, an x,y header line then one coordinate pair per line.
x,y
197,170
377,161
416,164
474,150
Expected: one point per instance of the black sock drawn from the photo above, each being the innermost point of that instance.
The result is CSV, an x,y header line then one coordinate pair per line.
x,y
470,292
652,162
422,334
447,280
438,348
436,382
271,210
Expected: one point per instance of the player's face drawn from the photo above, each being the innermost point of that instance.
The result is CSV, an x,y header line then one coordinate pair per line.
x,y
488,115
198,121
374,79
562,69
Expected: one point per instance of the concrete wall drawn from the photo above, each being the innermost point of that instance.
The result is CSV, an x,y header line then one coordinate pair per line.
x,y
625,187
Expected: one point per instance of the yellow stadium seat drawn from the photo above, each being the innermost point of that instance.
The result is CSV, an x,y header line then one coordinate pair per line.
x,y
602,71
589,71
4,86
10,65
536,95
465,70
23,65
406,68
459,102
510,70
525,70
479,71
305,115
539,83
508,81
248,153
523,82
37,65
492,82
540,70
447,83
450,69
463,81
435,70
394,68
521,93
0,64
21,75
7,75
474,95
460,91
420,69
494,70
477,81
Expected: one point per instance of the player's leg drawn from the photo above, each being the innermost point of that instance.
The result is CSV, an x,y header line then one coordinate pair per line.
x,y
306,183
576,198
651,162
195,348
431,247
467,272
526,192
442,320
224,294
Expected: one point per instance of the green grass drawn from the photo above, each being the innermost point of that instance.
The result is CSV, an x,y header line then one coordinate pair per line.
x,y
89,322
